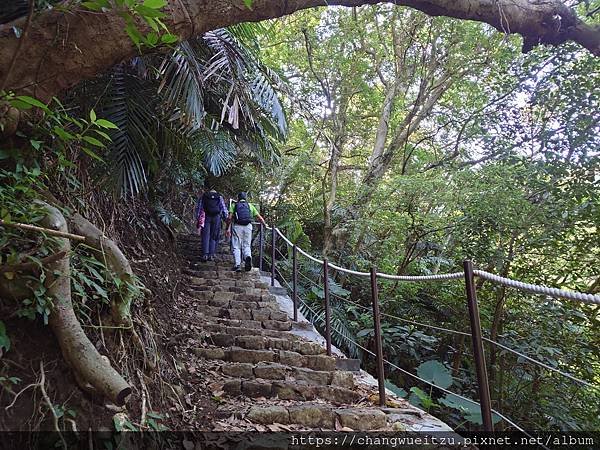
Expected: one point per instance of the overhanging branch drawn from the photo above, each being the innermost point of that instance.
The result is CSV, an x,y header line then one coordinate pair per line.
x,y
64,48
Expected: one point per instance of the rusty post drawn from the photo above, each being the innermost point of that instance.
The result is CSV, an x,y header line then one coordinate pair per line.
x,y
273,240
478,353
295,281
327,310
378,338
261,245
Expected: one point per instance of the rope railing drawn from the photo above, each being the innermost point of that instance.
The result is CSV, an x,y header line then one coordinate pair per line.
x,y
416,377
468,275
537,289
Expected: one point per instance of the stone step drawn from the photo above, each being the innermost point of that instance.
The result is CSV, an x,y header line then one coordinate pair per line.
x,y
240,331
287,390
221,262
224,274
252,324
238,313
285,357
235,299
250,286
209,298
253,342
301,375
318,415
204,298
247,293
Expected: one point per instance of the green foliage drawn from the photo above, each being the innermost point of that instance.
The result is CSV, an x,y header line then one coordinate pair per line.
x,y
54,134
436,373
152,420
395,389
4,340
148,10
204,106
502,170
471,411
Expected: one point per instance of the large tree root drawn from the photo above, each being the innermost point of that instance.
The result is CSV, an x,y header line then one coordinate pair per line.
x,y
107,251
77,349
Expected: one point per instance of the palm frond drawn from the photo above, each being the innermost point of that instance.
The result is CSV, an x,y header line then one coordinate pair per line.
x,y
169,218
218,150
341,335
181,85
128,108
266,97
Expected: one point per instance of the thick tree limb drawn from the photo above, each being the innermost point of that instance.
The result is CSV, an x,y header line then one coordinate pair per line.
x,y
64,48
77,349
108,252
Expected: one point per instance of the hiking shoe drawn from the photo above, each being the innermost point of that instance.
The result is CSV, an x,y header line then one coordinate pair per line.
x,y
204,258
248,263
237,268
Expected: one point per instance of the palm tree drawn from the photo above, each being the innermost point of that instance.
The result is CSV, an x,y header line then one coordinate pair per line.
x,y
207,103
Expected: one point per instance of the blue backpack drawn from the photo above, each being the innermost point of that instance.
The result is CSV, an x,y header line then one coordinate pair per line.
x,y
243,216
211,203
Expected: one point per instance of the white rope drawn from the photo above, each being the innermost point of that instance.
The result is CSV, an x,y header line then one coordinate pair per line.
x,y
351,272
441,277
318,261
537,289
544,290
287,241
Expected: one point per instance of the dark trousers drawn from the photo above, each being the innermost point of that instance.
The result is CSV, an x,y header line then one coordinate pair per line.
x,y
211,234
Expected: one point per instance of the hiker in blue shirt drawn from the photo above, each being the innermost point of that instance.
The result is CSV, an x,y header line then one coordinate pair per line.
x,y
210,209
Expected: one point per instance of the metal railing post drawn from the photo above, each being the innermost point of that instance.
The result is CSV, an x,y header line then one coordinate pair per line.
x,y
295,281
378,339
261,245
478,353
273,240
327,309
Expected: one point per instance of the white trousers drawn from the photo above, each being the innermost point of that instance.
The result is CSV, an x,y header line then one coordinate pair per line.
x,y
241,237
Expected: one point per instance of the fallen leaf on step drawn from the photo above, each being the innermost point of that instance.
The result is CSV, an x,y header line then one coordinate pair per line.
x,y
338,425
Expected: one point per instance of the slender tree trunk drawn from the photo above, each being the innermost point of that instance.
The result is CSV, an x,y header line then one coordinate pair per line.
x,y
499,308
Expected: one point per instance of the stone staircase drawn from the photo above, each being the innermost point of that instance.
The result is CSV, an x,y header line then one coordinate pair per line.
x,y
276,376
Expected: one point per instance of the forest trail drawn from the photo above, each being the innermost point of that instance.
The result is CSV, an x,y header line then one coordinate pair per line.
x,y
262,374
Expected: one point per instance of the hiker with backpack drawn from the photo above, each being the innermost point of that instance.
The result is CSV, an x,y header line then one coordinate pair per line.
x,y
239,227
210,209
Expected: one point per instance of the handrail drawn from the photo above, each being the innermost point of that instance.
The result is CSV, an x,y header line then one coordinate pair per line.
x,y
468,274
539,289
536,289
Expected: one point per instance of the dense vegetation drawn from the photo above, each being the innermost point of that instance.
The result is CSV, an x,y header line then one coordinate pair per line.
x,y
416,143
373,136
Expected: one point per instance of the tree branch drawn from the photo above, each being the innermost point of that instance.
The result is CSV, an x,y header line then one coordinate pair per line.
x,y
85,50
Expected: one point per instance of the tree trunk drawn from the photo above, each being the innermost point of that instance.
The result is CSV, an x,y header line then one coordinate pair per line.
x,y
337,145
66,45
